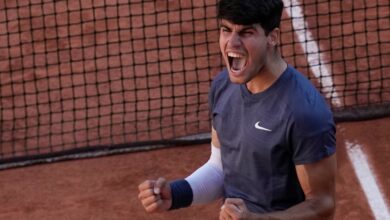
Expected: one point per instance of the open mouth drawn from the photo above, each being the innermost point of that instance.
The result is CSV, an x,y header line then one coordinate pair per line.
x,y
237,61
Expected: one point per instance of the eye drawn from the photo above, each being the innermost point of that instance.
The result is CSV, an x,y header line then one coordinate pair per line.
x,y
247,33
224,29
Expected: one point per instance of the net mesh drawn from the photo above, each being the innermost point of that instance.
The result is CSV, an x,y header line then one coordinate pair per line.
x,y
79,76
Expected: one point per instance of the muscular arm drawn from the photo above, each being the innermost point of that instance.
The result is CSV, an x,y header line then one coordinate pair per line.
x,y
318,183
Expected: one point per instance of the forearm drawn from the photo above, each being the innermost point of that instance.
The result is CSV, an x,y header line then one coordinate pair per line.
x,y
207,181
311,209
202,186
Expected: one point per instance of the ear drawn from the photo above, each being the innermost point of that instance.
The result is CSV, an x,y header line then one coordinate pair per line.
x,y
273,37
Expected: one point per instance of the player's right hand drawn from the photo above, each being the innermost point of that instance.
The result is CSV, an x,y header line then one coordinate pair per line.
x,y
155,195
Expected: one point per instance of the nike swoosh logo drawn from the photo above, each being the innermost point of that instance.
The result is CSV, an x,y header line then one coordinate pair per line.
x,y
257,125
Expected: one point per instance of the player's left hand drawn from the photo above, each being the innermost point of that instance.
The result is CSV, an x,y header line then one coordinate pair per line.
x,y
234,209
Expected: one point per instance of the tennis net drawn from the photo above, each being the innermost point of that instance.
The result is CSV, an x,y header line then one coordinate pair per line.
x,y
103,76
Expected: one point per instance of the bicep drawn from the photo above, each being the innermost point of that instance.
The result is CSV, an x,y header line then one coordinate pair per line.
x,y
318,179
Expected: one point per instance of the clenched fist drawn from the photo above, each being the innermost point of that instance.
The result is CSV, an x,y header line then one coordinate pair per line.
x,y
155,195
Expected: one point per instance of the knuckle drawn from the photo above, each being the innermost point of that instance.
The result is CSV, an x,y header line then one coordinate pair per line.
x,y
143,185
154,207
144,203
149,209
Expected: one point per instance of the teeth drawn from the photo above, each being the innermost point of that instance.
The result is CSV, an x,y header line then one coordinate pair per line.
x,y
234,55
236,61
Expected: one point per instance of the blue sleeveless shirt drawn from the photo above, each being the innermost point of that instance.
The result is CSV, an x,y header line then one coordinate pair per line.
x,y
264,135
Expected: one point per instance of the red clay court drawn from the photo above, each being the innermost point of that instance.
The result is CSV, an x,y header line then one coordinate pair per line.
x,y
106,187
113,78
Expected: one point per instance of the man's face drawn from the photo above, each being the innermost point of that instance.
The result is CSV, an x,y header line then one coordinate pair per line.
x,y
244,50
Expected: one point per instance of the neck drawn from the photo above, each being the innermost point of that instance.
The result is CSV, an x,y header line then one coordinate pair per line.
x,y
271,71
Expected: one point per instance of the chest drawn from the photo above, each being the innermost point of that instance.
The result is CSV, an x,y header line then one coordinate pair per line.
x,y
257,129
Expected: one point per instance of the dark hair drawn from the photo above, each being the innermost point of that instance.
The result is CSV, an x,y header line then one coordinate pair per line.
x,y
267,13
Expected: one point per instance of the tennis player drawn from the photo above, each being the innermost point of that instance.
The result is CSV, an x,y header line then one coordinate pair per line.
x,y
273,135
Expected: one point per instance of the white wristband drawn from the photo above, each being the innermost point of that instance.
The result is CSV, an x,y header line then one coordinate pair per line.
x,y
207,181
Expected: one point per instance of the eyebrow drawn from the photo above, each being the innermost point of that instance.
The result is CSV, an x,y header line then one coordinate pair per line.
x,y
244,27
